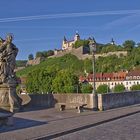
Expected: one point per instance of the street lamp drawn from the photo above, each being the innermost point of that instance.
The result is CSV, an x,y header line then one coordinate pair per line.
x,y
92,44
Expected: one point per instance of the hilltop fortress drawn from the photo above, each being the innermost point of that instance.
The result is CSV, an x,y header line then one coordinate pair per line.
x,y
68,44
68,47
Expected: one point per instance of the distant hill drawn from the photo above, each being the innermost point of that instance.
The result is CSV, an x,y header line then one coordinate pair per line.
x,y
67,61
111,58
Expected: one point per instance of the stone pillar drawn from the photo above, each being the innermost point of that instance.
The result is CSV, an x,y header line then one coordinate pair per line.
x,y
9,100
100,102
95,102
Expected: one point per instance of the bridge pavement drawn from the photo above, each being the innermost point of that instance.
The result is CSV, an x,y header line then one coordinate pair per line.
x,y
52,124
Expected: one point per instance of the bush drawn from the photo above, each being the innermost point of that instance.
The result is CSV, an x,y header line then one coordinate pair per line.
x,y
119,88
86,88
103,89
135,87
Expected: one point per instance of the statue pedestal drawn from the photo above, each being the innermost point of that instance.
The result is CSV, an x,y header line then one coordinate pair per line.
x,y
9,100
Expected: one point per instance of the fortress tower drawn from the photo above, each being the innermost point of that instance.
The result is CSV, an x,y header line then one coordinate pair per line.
x,y
68,44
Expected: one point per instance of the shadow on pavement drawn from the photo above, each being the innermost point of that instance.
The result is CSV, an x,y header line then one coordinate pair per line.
x,y
20,123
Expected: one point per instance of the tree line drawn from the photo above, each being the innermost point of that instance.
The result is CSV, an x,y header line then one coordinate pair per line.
x,y
44,54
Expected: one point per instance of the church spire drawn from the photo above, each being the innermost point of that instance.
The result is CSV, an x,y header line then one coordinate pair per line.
x,y
112,42
64,39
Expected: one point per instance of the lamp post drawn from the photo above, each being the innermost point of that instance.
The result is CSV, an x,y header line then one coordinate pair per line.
x,y
92,45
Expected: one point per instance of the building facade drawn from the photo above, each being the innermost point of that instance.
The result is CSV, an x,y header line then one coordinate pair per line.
x,y
68,44
128,79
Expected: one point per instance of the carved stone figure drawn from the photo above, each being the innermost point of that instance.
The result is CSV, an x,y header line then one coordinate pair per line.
x,y
8,53
8,82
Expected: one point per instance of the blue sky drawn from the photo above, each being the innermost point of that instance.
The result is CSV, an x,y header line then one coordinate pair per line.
x,y
40,25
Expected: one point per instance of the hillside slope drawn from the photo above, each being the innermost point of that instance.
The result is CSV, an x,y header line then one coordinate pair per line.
x,y
103,64
67,61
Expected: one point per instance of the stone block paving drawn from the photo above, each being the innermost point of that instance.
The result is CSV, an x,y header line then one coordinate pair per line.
x,y
127,128
51,123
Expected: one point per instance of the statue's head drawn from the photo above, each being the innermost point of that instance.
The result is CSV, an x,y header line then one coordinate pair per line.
x,y
9,38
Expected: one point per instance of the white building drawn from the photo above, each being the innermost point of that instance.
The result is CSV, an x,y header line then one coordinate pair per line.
x,y
128,79
68,44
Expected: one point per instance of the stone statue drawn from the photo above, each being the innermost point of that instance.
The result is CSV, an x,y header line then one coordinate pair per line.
x,y
8,53
8,80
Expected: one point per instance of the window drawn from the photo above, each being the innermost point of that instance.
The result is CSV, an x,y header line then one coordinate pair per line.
x,y
138,77
127,78
134,77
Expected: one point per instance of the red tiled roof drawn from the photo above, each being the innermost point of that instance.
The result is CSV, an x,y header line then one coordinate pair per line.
x,y
101,75
120,75
107,76
134,73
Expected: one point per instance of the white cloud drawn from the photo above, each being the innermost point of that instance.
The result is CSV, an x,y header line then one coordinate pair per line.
x,y
70,15
132,20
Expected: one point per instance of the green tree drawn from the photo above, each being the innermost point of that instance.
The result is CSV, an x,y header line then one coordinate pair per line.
x,y
79,43
47,53
86,88
21,63
129,45
135,87
110,48
39,54
30,57
65,82
119,88
50,53
44,54
103,89
88,65
40,80
108,64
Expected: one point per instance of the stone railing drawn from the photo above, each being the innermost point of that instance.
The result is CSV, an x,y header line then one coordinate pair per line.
x,y
50,100
114,100
105,101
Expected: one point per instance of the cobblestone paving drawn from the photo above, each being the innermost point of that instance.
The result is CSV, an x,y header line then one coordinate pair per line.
x,y
127,128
